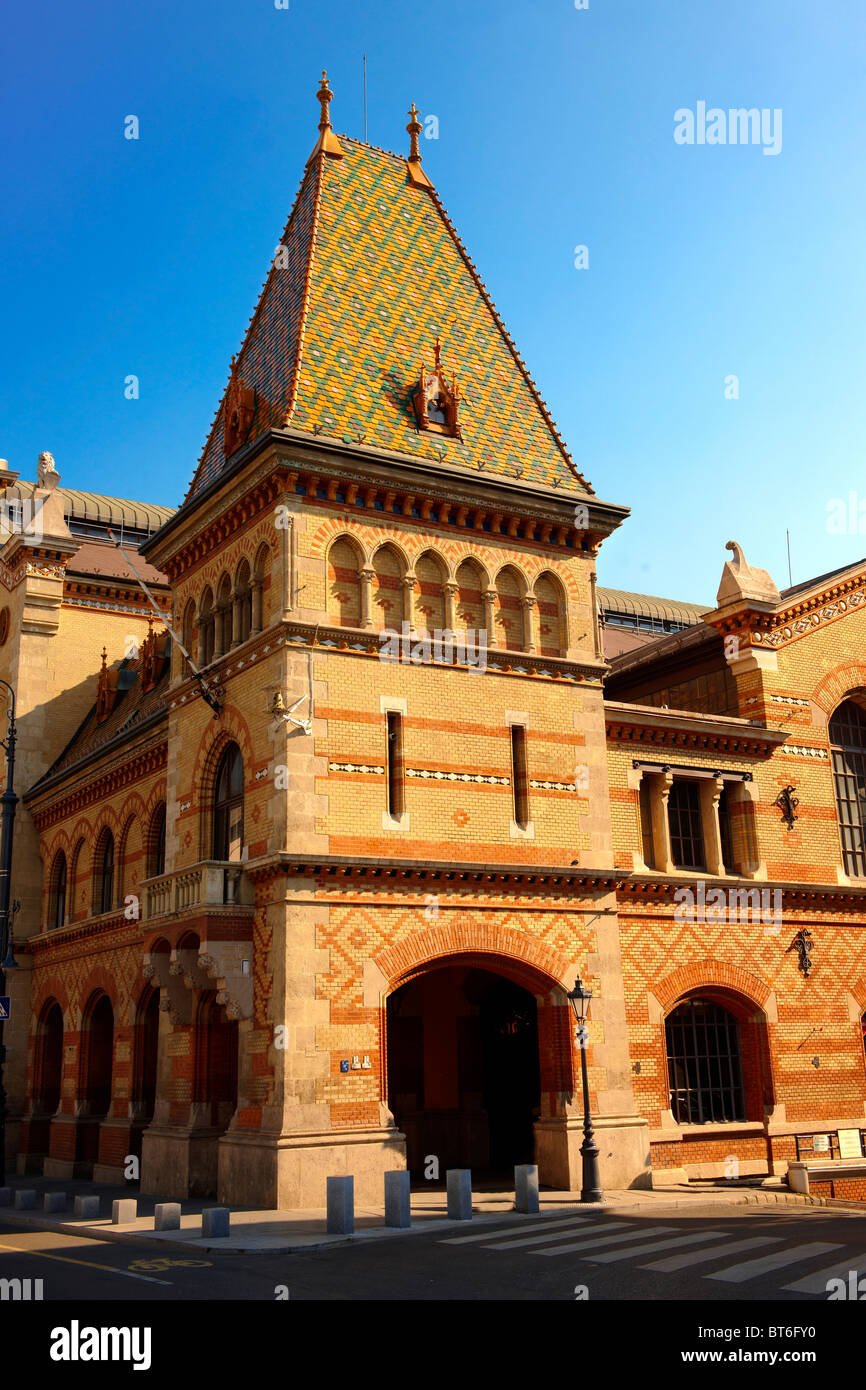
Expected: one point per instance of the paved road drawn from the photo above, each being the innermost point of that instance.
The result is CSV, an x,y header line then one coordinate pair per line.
x,y
713,1255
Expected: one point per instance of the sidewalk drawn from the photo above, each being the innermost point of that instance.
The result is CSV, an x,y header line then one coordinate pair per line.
x,y
256,1231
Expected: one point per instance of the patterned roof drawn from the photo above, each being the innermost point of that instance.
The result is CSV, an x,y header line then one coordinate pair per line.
x,y
374,272
649,606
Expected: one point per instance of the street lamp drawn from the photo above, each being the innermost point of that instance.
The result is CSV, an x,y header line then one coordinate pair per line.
x,y
8,803
592,1189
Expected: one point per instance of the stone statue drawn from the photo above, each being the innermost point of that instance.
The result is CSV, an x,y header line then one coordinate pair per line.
x,y
46,474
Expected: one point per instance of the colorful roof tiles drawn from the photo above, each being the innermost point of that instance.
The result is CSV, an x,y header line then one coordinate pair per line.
x,y
369,272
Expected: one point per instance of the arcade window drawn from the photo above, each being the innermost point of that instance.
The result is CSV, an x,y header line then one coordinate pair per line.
x,y
848,751
394,757
228,818
520,780
705,1068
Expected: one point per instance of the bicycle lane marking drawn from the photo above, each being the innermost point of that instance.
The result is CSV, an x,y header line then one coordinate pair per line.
x,y
88,1264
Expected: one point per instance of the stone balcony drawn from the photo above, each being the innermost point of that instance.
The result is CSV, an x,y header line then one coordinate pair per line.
x,y
210,883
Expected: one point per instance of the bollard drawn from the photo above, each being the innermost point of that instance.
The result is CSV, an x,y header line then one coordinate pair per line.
x,y
86,1208
216,1221
25,1199
341,1206
166,1216
5,1196
122,1210
54,1201
458,1182
526,1187
397,1206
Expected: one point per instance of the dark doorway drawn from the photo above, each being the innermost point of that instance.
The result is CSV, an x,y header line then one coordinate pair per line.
x,y
463,1071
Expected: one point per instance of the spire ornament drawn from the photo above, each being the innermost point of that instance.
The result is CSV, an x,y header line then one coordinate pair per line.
x,y
327,142
417,177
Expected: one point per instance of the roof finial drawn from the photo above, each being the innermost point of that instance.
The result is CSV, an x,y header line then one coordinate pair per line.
x,y
325,96
416,173
104,656
327,142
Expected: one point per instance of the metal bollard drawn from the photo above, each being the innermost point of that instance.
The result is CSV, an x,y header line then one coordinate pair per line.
x,y
458,1182
341,1206
398,1210
526,1187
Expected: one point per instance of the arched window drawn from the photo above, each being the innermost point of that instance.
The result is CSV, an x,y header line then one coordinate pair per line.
x,y
187,637
551,616
243,604
74,878
145,1054
508,620
469,615
103,873
99,1028
848,751
344,585
261,581
705,1068
49,1059
215,1071
388,572
57,893
428,599
206,620
156,843
228,806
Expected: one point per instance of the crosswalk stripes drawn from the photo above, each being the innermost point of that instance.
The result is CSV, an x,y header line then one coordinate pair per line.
x,y
594,1242
817,1282
604,1241
671,1243
557,1235
543,1224
750,1269
695,1257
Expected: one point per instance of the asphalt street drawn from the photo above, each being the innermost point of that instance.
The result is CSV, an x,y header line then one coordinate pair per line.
x,y
711,1255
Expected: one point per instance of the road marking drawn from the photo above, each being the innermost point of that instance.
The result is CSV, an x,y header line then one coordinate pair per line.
x,y
634,1234
668,1244
737,1274
817,1283
516,1230
696,1257
557,1235
88,1264
162,1264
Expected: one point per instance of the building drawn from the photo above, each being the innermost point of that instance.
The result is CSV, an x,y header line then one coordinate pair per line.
x,y
303,892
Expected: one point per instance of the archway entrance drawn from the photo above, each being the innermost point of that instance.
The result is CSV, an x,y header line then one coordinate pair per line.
x,y
463,1070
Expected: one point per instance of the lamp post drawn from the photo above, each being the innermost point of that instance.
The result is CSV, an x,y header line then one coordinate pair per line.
x,y
8,803
592,1190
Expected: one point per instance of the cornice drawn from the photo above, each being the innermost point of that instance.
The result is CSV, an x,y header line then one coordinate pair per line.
x,y
639,885
380,871
652,727
46,812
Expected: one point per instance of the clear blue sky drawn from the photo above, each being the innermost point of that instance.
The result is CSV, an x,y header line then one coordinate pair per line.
x,y
555,129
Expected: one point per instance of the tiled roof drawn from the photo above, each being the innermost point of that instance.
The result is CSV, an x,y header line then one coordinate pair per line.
x,y
375,272
648,606
132,706
94,507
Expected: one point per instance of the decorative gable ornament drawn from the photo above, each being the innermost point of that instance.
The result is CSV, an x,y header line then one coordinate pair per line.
x,y
153,654
436,400
239,411
106,690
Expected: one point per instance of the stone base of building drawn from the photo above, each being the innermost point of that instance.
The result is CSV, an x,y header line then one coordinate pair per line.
x,y
59,1168
290,1172
623,1152
179,1162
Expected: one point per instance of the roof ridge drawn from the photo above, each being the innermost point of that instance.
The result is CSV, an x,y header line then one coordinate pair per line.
x,y
249,328
305,299
512,346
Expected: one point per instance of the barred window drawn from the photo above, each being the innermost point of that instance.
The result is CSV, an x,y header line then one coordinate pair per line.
x,y
705,1068
686,827
848,751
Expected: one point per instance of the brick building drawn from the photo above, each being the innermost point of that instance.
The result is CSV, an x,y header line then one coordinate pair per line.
x,y
303,892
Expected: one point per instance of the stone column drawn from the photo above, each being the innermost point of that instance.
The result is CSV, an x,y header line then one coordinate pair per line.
x,y
489,599
660,790
235,611
531,625
409,582
220,624
367,576
449,590
711,791
257,605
